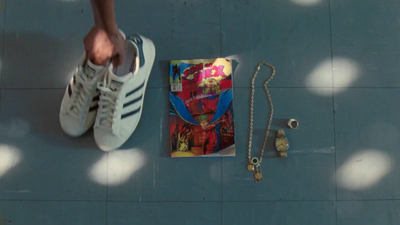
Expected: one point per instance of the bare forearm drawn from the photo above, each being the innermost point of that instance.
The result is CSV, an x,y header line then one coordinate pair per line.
x,y
96,14
104,15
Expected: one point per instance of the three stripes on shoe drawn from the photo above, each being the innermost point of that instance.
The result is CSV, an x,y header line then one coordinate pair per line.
x,y
97,98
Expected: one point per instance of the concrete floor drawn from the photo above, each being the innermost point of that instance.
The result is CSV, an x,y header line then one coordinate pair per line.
x,y
337,65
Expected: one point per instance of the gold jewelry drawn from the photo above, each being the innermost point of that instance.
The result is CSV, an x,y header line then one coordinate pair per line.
x,y
250,167
293,124
258,176
254,163
282,144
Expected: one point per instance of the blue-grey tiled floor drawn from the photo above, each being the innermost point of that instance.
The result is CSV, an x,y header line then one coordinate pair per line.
x,y
337,67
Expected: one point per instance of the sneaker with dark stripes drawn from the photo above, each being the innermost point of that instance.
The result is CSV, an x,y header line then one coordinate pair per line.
x,y
122,94
80,102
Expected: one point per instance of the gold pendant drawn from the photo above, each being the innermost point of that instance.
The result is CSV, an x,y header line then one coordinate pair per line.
x,y
258,175
250,167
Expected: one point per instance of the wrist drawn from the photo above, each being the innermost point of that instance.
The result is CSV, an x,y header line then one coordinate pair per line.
x,y
112,30
113,35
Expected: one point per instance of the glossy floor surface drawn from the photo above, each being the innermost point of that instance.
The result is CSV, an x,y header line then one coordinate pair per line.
x,y
338,68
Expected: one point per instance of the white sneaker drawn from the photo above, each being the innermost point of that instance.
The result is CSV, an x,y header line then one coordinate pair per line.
x,y
79,104
122,94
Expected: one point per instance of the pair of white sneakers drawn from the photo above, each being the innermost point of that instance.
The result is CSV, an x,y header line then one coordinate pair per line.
x,y
110,98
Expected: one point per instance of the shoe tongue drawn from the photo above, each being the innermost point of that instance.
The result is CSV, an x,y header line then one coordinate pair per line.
x,y
91,69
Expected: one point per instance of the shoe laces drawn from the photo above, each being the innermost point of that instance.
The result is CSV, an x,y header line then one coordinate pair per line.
x,y
81,90
107,116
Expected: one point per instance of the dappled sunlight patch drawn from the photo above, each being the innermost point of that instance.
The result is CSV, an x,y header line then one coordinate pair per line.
x,y
239,59
306,2
346,72
320,80
363,170
122,164
321,76
10,156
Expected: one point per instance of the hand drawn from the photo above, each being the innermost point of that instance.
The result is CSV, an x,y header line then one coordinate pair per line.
x,y
101,46
119,48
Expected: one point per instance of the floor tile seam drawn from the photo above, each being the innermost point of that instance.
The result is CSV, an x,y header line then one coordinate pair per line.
x,y
191,201
23,89
165,88
4,45
333,104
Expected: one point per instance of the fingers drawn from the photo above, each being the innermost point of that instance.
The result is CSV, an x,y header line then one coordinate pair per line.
x,y
119,49
119,59
116,61
98,46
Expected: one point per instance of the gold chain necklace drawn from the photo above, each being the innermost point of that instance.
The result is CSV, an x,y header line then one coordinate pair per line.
x,y
254,163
